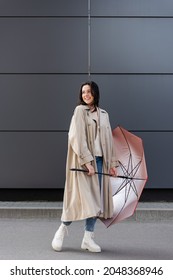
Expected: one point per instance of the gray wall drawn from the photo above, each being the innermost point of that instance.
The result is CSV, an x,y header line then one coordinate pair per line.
x,y
43,61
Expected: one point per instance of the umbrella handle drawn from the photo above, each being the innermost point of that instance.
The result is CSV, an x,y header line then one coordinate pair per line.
x,y
106,174
84,170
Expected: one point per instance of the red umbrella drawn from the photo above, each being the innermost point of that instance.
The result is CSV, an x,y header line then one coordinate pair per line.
x,y
132,175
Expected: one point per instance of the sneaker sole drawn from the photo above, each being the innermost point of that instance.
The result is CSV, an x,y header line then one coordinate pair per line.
x,y
83,247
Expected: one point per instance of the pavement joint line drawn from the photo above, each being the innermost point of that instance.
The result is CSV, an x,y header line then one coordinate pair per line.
x,y
47,204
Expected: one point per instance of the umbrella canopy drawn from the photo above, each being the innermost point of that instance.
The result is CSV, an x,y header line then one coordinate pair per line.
x,y
132,175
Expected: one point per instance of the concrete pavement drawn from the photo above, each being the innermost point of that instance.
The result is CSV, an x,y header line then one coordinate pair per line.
x,y
27,230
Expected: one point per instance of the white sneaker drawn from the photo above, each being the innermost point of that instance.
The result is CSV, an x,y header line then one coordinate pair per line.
x,y
89,244
57,241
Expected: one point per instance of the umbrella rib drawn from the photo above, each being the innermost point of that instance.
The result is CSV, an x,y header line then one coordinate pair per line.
x,y
127,191
127,173
121,210
134,188
122,186
135,169
125,139
124,170
130,166
125,182
130,157
132,184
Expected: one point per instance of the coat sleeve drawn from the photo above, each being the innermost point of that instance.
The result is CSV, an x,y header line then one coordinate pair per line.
x,y
78,138
114,161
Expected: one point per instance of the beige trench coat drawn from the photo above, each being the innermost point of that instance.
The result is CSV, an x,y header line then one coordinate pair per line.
x,y
82,195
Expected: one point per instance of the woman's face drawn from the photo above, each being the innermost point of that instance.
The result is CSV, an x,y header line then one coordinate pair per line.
x,y
87,96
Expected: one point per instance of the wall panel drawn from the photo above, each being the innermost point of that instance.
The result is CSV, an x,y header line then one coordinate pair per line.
x,y
131,45
158,153
138,102
32,159
43,8
131,8
37,45
38,102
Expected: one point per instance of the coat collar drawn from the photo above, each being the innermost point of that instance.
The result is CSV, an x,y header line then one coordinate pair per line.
x,y
87,109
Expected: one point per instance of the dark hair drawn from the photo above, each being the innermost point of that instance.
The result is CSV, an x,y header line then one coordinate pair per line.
x,y
94,91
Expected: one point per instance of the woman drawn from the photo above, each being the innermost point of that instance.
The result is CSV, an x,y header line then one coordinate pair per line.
x,y
90,146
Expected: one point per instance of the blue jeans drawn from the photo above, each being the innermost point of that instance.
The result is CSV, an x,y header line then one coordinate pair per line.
x,y
90,222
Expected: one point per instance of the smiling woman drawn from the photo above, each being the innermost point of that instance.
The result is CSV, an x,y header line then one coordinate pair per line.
x,y
88,196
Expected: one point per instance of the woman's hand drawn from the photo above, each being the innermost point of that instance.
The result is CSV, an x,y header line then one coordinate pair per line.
x,y
90,168
113,172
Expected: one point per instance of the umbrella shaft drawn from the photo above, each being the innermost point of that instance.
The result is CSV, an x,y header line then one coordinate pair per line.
x,y
107,174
